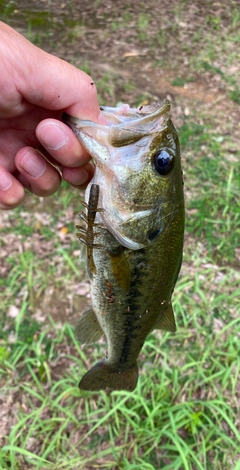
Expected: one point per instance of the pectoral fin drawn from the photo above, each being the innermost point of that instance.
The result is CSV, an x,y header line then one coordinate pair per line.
x,y
167,320
88,330
121,270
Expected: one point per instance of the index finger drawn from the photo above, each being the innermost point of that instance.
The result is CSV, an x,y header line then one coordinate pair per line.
x,y
62,87
45,80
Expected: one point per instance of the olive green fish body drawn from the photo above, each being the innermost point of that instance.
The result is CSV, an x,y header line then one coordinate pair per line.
x,y
138,237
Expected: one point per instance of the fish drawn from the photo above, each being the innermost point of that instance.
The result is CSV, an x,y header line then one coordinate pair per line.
x,y
134,234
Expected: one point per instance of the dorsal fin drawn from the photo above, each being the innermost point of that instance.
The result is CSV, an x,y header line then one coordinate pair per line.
x,y
167,320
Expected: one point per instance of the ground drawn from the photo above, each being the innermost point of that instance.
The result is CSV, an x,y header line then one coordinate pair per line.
x,y
184,413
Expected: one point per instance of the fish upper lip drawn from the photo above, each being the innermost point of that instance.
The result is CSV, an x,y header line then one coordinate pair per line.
x,y
141,118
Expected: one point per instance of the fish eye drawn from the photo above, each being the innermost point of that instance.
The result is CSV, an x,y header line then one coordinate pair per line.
x,y
163,161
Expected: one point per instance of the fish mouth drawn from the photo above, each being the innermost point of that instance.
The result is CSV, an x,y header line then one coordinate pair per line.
x,y
127,114
125,128
125,125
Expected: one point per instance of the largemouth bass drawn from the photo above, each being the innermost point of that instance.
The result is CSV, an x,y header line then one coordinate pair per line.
x,y
134,235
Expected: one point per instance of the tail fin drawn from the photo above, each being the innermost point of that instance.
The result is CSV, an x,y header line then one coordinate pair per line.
x,y
104,375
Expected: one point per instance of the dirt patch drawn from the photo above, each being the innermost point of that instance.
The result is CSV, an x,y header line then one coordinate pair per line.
x,y
184,50
160,40
136,52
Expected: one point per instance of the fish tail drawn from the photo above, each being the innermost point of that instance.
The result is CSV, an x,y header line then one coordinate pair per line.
x,y
104,375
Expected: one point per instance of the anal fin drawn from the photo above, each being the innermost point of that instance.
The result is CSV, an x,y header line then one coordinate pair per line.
x,y
88,330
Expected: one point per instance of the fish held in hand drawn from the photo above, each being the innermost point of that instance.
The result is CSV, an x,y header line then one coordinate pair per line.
x,y
134,235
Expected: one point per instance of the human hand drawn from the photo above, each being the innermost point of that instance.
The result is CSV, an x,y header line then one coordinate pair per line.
x,y
35,88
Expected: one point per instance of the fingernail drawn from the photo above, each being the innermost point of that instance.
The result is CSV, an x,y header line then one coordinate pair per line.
x,y
52,136
33,165
5,181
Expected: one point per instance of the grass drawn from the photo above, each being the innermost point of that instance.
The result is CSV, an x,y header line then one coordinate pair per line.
x,y
7,8
184,413
181,415
214,206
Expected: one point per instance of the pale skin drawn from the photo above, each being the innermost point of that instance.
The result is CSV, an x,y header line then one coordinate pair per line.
x,y
35,88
